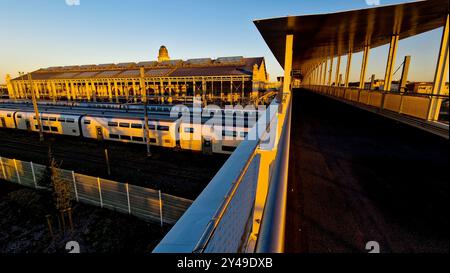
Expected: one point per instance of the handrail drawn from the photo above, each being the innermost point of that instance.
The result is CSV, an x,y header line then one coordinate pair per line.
x,y
214,222
196,227
412,94
402,110
272,231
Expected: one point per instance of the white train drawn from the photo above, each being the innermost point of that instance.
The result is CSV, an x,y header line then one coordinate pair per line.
x,y
127,127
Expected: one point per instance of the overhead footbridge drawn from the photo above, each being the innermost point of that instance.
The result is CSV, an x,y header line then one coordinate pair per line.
x,y
259,196
319,42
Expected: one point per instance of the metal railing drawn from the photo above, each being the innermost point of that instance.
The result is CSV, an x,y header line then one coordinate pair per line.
x,y
419,110
147,204
271,234
224,218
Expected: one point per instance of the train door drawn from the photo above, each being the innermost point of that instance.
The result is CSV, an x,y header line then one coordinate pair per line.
x,y
177,135
28,124
99,131
2,122
207,146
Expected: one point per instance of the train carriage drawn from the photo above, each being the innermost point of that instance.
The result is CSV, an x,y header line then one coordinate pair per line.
x,y
54,123
161,132
126,126
7,119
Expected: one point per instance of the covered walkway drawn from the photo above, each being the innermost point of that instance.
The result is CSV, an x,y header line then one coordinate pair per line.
x,y
355,177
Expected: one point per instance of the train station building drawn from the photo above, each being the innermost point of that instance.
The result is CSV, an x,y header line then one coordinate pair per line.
x,y
229,79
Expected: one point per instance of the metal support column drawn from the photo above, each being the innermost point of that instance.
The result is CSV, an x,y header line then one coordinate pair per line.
x,y
288,63
338,67
330,72
365,60
405,72
324,80
319,80
440,75
391,62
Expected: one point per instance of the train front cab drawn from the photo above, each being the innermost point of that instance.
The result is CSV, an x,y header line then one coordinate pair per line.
x,y
7,119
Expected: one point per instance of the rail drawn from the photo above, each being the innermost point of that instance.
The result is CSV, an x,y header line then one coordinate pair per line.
x,y
412,109
271,235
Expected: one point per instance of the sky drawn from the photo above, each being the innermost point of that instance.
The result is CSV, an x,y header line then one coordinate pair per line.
x,y
42,33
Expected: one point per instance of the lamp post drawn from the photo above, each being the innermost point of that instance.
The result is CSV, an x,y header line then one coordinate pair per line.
x,y
21,74
144,98
35,106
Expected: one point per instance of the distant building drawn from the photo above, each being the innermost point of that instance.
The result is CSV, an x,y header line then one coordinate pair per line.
x,y
424,88
227,78
3,91
377,85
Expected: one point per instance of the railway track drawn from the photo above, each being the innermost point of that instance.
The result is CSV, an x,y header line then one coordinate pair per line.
x,y
89,158
128,164
99,159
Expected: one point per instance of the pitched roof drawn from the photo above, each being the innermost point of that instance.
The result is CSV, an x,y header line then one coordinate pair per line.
x,y
225,66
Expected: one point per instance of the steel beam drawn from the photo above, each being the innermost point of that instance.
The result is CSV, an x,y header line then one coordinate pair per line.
x,y
349,64
288,63
405,72
365,60
390,62
440,75
330,72
319,80
338,67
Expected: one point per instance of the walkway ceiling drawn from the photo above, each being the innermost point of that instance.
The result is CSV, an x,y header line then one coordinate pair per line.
x,y
319,36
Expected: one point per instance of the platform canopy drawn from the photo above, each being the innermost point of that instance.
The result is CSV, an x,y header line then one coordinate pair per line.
x,y
319,36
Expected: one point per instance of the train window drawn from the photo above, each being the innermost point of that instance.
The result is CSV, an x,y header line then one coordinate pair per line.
x,y
87,121
152,140
54,129
136,126
124,125
46,128
229,133
61,120
44,118
114,136
189,130
52,119
244,134
70,120
139,139
123,137
112,124
228,148
163,128
19,116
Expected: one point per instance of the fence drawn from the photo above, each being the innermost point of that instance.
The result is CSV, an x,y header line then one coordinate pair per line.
x,y
147,204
